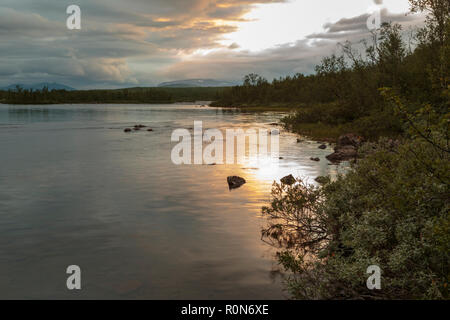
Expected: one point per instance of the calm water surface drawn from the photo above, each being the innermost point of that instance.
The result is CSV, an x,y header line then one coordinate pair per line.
x,y
75,189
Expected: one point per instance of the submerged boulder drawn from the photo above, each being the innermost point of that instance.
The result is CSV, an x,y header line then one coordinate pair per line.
x,y
322,180
323,146
315,159
343,154
235,182
288,180
127,130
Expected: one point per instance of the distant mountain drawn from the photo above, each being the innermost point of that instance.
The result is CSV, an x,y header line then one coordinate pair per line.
x,y
189,83
39,86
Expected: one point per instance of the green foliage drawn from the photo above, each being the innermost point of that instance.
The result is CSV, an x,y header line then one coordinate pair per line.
x,y
389,210
437,20
392,209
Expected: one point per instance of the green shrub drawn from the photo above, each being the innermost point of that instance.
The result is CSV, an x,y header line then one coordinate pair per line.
x,y
389,210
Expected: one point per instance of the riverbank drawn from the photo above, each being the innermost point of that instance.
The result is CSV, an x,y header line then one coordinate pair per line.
x,y
325,122
259,107
312,131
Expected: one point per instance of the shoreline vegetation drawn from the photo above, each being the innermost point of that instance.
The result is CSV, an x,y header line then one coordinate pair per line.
x,y
392,208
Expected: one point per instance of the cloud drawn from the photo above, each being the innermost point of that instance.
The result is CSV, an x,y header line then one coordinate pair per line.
x,y
16,23
300,57
355,28
141,42
114,35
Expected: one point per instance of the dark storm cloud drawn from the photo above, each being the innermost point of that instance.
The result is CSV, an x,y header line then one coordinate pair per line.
x,y
7,69
16,23
115,34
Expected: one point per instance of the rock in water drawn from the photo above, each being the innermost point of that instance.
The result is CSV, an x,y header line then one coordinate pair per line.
x,y
288,180
315,159
343,154
323,146
127,130
322,180
235,182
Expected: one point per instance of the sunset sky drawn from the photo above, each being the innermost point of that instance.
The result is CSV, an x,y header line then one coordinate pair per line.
x,y
145,42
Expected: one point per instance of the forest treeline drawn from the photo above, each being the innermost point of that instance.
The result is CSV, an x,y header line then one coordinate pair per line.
x,y
391,210
130,95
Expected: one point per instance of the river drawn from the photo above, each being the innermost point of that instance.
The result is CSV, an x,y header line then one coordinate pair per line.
x,y
76,190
